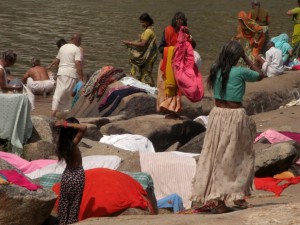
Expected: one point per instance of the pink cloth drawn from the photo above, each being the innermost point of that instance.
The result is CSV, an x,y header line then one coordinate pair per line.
x,y
23,165
272,136
19,179
188,78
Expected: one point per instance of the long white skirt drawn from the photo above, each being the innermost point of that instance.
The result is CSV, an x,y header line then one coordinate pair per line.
x,y
225,170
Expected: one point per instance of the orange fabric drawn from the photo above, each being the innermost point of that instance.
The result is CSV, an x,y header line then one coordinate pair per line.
x,y
273,185
108,191
250,30
171,36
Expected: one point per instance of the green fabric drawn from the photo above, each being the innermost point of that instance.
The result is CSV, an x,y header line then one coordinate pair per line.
x,y
48,180
236,84
15,121
143,178
296,14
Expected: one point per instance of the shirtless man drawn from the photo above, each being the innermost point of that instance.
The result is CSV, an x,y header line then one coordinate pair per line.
x,y
37,79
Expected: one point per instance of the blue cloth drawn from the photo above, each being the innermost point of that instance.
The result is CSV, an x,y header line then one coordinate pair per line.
x,y
282,42
15,121
172,201
76,90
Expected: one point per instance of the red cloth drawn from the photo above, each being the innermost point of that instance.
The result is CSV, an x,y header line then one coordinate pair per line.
x,y
188,78
19,179
170,36
273,185
108,191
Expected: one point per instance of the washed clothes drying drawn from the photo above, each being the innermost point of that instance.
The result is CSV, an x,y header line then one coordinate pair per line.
x,y
115,96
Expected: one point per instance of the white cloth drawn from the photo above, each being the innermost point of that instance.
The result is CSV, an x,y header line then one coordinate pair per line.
x,y
40,87
130,81
30,95
67,55
171,174
198,60
274,64
130,142
62,96
88,162
204,119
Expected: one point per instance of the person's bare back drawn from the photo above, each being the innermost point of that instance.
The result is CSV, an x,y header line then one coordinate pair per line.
x,y
37,72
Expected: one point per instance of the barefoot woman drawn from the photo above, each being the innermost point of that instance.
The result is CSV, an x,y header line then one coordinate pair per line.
x,y
225,169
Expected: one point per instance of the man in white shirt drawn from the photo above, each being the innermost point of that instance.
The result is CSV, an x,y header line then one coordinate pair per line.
x,y
272,65
69,71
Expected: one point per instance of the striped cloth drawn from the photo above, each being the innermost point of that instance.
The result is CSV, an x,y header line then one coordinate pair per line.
x,y
143,178
171,174
48,180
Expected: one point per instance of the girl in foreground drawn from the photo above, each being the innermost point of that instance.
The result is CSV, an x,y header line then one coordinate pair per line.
x,y
72,181
225,169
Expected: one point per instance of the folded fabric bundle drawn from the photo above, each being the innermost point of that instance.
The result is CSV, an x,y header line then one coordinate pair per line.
x,y
107,192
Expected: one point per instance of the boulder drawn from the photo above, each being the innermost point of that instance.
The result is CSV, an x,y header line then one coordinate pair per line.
x,y
130,160
43,129
134,105
194,145
18,205
92,132
160,131
39,150
100,121
275,158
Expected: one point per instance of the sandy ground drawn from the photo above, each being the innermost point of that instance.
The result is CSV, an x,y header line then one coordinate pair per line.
x,y
267,210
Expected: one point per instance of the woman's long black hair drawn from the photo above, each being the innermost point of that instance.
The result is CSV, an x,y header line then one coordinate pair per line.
x,y
65,140
229,56
178,15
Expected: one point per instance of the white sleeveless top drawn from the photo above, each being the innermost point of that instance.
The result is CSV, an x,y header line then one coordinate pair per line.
x,y
5,76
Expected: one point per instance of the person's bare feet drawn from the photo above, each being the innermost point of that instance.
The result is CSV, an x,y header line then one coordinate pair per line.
x,y
242,204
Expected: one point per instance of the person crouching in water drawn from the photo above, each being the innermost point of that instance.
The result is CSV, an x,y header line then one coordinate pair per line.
x,y
37,79
73,177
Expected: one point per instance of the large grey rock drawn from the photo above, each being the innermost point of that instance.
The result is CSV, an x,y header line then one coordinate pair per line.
x,y
19,205
100,121
39,150
276,158
160,131
130,160
43,129
92,132
136,105
194,145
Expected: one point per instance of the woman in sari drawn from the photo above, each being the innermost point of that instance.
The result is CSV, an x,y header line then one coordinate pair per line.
x,y
143,53
168,97
282,42
249,30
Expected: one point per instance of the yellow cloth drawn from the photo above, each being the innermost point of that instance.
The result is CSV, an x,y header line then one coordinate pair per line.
x,y
148,34
296,35
284,175
3,181
170,82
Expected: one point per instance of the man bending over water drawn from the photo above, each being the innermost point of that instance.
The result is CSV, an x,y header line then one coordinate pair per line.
x,y
37,79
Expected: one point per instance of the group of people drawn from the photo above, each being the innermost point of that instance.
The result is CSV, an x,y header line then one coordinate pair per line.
x,y
225,170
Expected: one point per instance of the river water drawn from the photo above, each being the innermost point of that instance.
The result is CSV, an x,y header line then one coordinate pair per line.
x,y
31,27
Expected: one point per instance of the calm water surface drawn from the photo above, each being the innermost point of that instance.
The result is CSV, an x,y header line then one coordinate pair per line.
x,y
31,27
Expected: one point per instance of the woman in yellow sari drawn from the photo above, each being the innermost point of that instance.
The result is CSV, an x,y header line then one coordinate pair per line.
x,y
143,52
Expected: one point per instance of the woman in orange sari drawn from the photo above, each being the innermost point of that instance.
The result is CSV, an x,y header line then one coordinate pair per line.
x,y
168,98
249,30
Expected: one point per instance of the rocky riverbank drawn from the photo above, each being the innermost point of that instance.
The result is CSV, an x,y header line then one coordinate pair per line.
x,y
133,116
